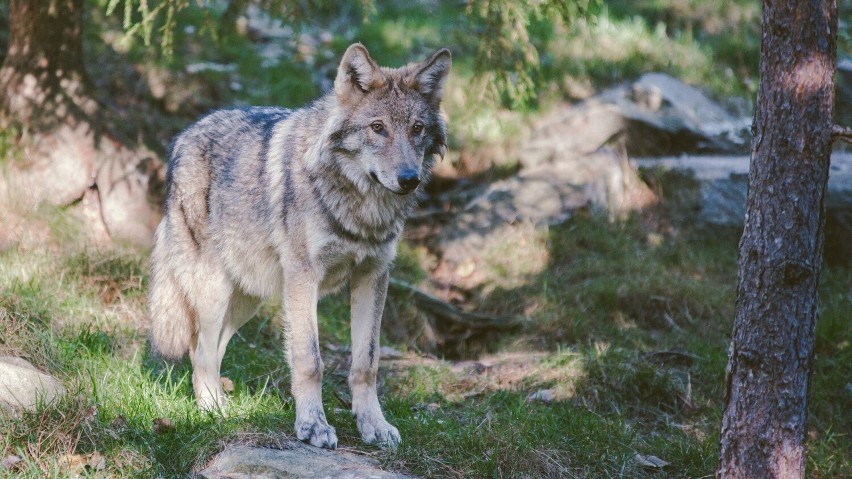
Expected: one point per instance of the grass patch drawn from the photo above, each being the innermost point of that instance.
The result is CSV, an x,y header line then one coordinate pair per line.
x,y
623,379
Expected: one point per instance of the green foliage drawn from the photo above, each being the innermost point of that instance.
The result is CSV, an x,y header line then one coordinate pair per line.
x,y
521,55
153,20
141,17
508,59
10,152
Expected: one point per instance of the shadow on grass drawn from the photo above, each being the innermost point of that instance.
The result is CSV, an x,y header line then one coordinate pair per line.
x,y
651,315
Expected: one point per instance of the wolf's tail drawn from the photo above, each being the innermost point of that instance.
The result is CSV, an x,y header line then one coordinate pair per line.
x,y
172,320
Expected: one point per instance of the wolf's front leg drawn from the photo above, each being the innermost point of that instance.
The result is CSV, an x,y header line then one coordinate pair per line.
x,y
369,289
300,313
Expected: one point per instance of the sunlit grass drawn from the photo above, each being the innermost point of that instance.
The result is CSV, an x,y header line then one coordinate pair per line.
x,y
622,381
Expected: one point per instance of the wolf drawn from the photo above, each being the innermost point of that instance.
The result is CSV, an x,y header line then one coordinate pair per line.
x,y
266,202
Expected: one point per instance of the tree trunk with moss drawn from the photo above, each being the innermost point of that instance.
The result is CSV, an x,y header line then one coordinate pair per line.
x,y
68,152
769,368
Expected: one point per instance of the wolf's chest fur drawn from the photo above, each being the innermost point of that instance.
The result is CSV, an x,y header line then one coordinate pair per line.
x,y
286,206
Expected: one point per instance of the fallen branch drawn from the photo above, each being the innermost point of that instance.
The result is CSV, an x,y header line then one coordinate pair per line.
x,y
841,133
668,354
443,310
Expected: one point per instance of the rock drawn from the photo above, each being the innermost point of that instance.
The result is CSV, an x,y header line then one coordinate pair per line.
x,y
650,462
843,93
688,104
296,461
716,188
512,210
387,352
666,116
577,158
67,164
542,395
22,386
572,130
722,182
127,182
657,115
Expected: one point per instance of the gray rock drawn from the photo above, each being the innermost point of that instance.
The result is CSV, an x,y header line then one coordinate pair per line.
x,y
572,130
576,157
689,104
22,386
539,196
297,461
657,115
72,160
715,190
126,210
666,116
715,194
843,92
722,183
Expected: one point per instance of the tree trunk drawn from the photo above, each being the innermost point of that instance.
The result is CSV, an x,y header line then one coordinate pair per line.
x,y
769,368
44,63
68,152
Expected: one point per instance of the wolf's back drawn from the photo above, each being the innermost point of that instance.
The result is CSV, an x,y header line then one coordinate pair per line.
x,y
213,153
205,156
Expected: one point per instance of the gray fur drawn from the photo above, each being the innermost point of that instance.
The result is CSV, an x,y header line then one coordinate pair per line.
x,y
268,202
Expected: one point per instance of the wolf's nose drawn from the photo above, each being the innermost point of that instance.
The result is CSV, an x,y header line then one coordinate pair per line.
x,y
408,180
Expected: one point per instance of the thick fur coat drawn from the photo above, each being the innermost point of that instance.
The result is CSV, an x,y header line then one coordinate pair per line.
x,y
293,204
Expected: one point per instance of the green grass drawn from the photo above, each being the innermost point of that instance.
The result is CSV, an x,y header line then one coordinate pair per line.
x,y
625,382
713,44
629,321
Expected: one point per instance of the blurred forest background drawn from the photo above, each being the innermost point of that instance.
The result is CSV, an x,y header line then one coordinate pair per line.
x,y
563,299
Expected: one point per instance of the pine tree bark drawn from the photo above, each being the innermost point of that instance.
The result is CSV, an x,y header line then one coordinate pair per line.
x,y
769,368
70,153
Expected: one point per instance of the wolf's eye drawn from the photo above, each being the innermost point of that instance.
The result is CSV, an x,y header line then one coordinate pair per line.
x,y
417,128
377,126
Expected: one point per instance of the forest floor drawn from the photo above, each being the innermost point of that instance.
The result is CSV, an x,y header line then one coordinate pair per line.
x,y
643,328
623,355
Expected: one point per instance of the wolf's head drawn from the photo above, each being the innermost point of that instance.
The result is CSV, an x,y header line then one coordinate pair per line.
x,y
390,127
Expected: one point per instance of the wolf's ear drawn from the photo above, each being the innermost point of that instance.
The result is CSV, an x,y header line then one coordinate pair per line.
x,y
356,75
430,77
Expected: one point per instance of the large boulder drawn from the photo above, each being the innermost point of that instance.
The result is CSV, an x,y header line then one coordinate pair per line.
x,y
22,386
575,158
656,115
712,190
294,462
512,211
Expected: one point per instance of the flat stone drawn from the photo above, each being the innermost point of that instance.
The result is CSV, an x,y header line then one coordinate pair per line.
x,y
296,461
22,385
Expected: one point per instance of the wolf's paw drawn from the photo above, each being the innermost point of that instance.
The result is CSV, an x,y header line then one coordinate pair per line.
x,y
211,401
317,432
375,430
